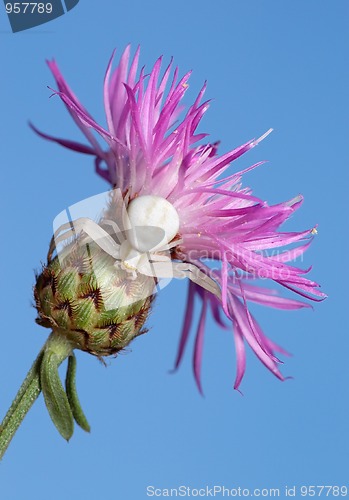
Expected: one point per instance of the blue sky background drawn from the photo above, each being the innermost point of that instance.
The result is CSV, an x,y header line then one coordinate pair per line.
x,y
268,64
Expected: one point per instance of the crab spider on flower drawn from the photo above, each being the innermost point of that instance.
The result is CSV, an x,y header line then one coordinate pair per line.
x,y
141,241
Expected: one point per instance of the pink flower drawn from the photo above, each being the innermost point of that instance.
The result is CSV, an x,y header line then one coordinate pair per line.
x,y
151,151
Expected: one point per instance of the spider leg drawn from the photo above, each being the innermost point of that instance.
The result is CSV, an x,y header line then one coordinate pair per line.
x,y
92,229
168,246
184,269
155,257
72,229
155,268
116,229
162,267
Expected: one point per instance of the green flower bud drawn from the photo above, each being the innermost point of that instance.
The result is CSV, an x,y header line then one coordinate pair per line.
x,y
91,300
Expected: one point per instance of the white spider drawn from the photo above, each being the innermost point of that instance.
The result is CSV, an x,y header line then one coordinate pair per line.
x,y
143,244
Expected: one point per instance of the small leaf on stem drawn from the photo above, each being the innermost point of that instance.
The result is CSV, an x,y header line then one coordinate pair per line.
x,y
55,397
72,394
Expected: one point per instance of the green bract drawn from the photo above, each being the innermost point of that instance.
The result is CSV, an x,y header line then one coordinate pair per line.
x,y
93,302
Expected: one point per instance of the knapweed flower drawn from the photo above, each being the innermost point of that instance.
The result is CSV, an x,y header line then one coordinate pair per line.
x,y
223,238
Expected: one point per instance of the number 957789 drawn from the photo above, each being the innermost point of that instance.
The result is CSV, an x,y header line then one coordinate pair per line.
x,y
28,8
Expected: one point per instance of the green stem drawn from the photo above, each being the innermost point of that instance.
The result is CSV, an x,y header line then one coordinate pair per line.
x,y
30,390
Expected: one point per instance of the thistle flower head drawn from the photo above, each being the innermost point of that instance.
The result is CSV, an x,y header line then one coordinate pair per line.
x,y
153,150
93,304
